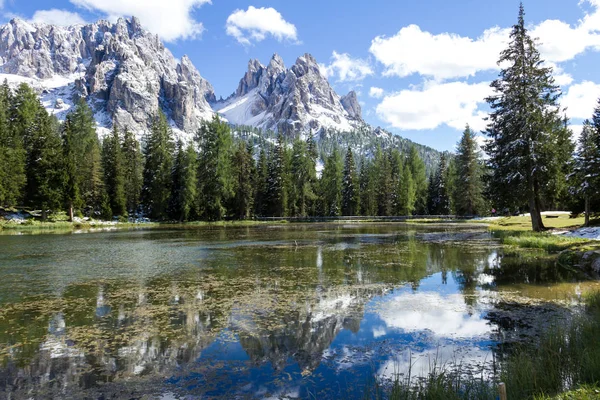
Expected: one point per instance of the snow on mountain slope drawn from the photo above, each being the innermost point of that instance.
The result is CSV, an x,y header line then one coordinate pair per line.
x,y
294,100
125,73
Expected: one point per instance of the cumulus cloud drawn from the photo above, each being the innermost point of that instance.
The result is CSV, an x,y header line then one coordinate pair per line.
x,y
376,92
171,20
255,24
57,17
447,55
453,104
580,99
346,68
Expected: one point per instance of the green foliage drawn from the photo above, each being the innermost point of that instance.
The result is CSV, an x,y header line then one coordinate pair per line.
x,y
276,186
133,168
528,139
350,188
331,185
114,173
245,177
156,191
12,153
439,195
215,173
185,180
468,182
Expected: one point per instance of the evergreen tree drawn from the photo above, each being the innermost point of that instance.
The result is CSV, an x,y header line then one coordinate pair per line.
x,y
524,114
350,189
156,191
114,172
469,183
133,168
417,171
89,160
385,186
331,185
185,181
439,198
586,174
276,181
368,198
72,198
262,170
245,180
302,170
12,154
407,192
44,168
215,173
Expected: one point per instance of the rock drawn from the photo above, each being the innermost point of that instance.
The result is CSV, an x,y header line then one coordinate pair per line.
x,y
123,71
298,99
596,266
58,104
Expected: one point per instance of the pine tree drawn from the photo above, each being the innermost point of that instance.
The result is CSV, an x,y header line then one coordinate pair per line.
x,y
586,174
89,159
469,183
524,114
114,172
12,154
350,190
133,168
245,180
44,168
276,181
407,192
72,199
185,181
262,170
302,169
215,173
439,198
331,185
368,198
156,191
419,176
385,186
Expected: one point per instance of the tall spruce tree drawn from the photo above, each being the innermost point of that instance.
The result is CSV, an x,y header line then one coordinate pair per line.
x,y
331,185
156,191
439,197
245,173
367,181
44,164
385,185
185,182
12,153
133,168
407,192
215,173
262,171
302,170
277,181
71,196
468,182
417,170
114,172
350,189
525,113
586,174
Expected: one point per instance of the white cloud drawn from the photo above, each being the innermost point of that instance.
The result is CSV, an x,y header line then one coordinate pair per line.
x,y
580,99
454,104
346,68
376,92
442,56
57,17
255,24
447,55
171,20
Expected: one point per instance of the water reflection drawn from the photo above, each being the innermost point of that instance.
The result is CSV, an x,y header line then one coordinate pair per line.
x,y
239,312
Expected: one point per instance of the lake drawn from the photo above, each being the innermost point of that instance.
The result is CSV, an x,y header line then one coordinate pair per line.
x,y
282,311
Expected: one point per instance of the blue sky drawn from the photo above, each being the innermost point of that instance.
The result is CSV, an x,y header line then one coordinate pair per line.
x,y
421,69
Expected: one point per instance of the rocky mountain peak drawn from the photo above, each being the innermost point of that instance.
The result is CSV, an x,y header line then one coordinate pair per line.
x,y
351,105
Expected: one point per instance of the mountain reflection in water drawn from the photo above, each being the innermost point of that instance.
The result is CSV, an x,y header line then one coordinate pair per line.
x,y
238,313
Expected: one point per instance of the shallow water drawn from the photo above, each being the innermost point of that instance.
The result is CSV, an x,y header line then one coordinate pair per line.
x,y
259,312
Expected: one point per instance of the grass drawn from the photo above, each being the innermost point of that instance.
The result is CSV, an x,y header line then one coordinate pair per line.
x,y
524,223
563,365
544,241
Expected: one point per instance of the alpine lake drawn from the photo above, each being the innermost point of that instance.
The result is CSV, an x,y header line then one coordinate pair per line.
x,y
267,311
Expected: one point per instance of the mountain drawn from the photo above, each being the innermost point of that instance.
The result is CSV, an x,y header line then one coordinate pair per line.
x,y
297,99
124,72
126,75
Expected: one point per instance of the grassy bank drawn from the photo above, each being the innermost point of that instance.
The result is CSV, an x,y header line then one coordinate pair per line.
x,y
563,365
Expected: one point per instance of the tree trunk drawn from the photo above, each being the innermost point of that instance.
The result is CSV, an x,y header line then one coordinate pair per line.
x,y
71,212
44,214
587,211
536,218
